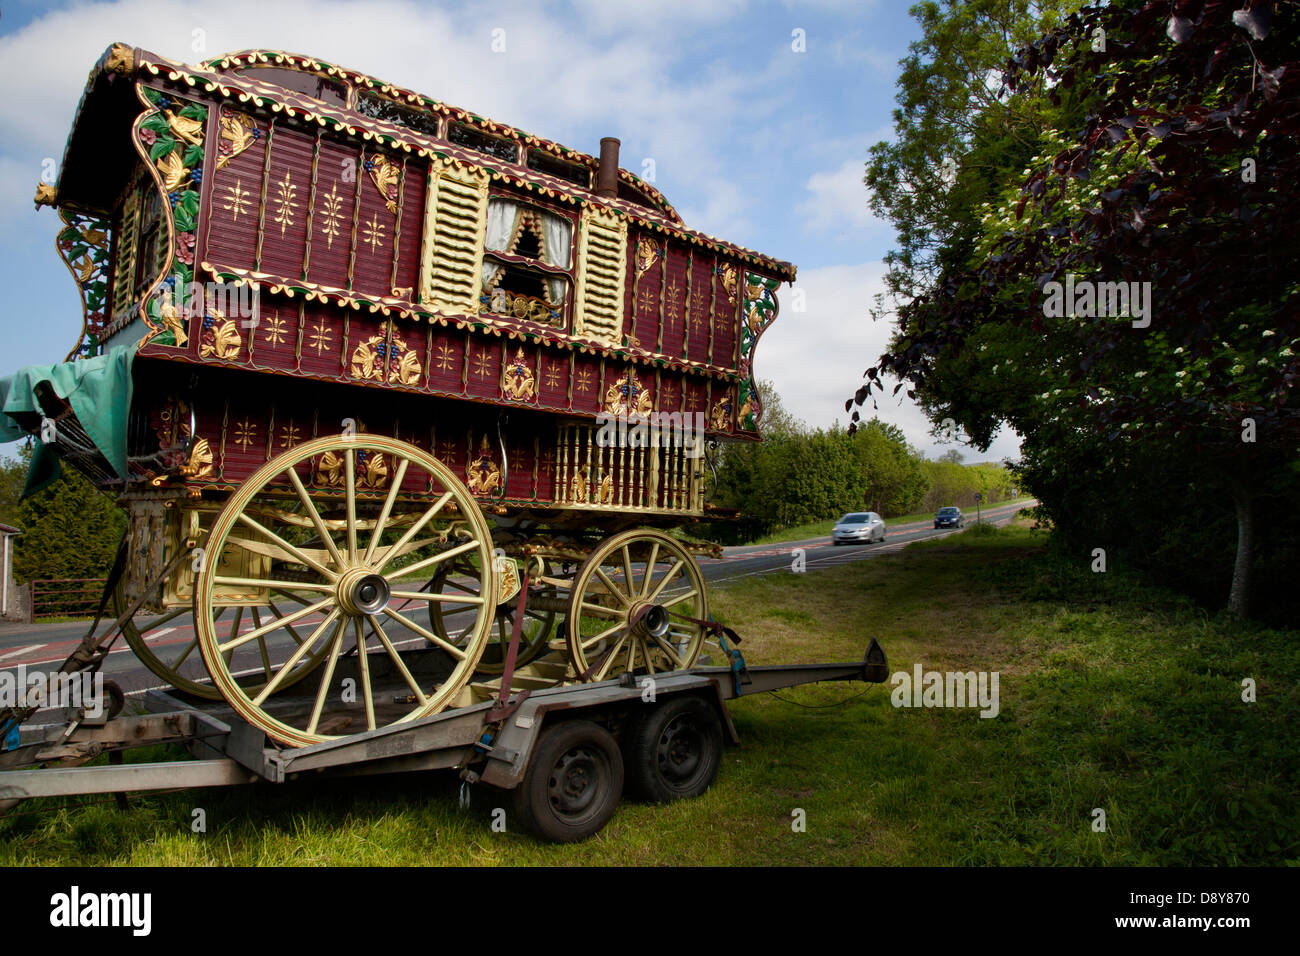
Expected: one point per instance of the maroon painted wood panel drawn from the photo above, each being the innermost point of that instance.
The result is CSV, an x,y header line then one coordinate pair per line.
x,y
286,205
331,240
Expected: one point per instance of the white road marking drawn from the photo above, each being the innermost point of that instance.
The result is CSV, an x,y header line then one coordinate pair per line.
x,y
22,650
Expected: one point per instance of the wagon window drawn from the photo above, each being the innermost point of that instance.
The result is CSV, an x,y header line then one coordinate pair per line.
x,y
462,134
546,163
382,108
526,265
309,84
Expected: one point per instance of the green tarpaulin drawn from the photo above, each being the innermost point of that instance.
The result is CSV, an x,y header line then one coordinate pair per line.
x,y
99,391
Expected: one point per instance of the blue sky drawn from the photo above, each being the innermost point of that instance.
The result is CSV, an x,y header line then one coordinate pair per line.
x,y
750,139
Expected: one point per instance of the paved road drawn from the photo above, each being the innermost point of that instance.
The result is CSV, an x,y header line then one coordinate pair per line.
x,y
45,646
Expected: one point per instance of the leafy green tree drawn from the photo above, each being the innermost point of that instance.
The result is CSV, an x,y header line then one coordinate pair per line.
x,y
1179,417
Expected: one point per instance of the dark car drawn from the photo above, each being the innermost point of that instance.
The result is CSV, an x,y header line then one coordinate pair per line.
x,y
949,518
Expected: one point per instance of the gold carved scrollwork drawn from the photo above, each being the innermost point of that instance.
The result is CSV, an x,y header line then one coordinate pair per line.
x,y
578,487
200,461
238,132
647,253
519,385
385,174
382,360
606,495
483,475
730,280
219,338
720,417
46,194
628,396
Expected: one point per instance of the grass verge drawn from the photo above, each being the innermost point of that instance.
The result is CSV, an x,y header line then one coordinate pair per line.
x,y
1112,696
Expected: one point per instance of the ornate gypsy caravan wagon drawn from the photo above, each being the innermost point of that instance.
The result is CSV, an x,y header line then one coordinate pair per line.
x,y
362,345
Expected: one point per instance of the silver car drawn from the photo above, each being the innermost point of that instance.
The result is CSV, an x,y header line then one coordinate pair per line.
x,y
861,527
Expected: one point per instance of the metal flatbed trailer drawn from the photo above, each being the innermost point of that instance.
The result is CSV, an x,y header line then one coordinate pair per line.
x,y
568,752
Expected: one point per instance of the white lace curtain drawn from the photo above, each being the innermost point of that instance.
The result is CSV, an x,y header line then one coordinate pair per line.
x,y
557,234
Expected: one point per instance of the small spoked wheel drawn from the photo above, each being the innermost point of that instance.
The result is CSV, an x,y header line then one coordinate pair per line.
x,y
672,750
635,607
573,783
451,622
340,525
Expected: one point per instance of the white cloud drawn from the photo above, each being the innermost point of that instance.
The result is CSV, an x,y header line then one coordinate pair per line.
x,y
837,198
816,358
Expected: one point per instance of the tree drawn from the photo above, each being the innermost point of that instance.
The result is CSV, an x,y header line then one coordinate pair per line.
x,y
1181,179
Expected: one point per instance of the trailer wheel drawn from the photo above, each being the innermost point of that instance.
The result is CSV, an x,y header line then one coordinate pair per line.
x,y
673,750
573,783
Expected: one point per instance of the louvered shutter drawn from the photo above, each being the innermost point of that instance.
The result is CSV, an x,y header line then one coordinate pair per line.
x,y
455,224
602,262
128,238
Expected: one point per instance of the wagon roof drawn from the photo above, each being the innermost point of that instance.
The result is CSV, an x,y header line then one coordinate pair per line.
x,y
85,156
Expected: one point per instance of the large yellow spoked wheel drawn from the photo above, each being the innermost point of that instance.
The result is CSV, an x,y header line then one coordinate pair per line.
x,y
349,526
634,608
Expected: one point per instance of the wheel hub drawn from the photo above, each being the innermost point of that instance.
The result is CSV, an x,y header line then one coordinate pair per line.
x,y
361,591
679,749
574,784
650,620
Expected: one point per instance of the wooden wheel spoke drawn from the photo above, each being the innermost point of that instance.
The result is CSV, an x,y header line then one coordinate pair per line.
x,y
336,645
430,561
363,667
275,585
678,600
350,470
185,653
590,641
294,658
440,598
627,570
649,570
610,657
291,549
278,623
428,635
669,650
397,660
614,589
398,478
671,573
315,517
412,531
601,611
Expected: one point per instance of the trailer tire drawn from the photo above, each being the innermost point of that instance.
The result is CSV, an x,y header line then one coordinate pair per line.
x,y
673,750
573,783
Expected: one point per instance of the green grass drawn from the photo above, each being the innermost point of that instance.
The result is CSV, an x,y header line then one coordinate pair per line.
x,y
1113,695
822,529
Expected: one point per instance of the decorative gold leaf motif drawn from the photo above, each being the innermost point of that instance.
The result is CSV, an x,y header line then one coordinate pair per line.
x,y
578,487
394,362
519,385
720,418
170,319
374,233
729,279
328,471
238,132
236,200
46,194
285,203
483,476
331,215
220,338
647,254
628,396
188,131
385,173
606,495
245,433
374,470
200,461
173,171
